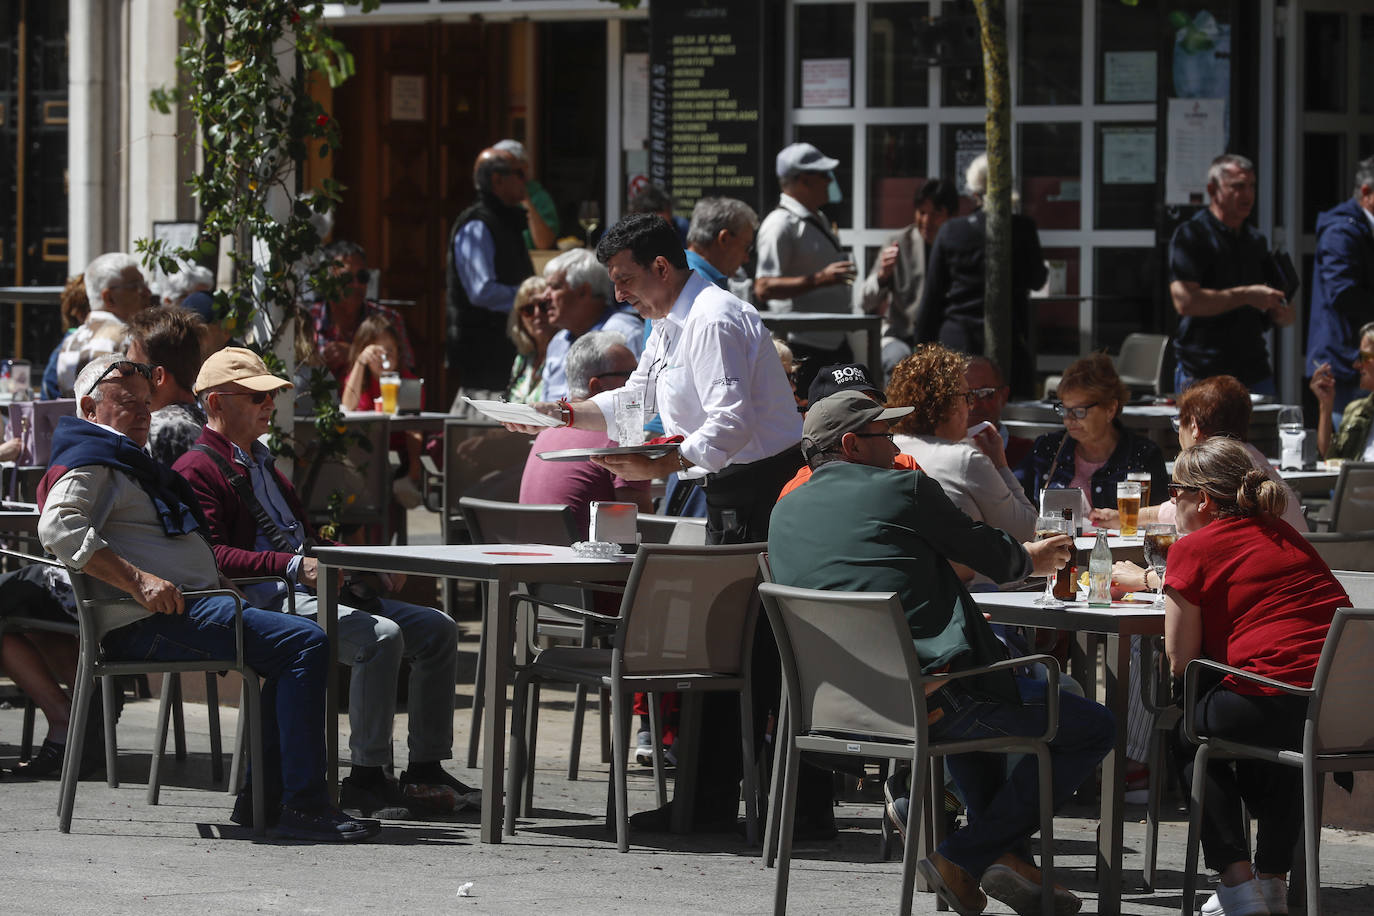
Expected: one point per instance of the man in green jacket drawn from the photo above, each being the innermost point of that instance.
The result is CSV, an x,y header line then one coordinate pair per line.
x,y
860,525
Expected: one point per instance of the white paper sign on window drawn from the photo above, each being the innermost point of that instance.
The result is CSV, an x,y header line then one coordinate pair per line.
x,y
1197,135
407,97
1129,76
1128,155
634,102
825,83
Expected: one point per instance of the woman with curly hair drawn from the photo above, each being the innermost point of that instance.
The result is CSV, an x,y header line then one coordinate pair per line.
x,y
972,472
1245,589
1094,452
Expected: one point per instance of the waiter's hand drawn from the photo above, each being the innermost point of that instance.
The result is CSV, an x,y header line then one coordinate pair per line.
x,y
547,408
638,467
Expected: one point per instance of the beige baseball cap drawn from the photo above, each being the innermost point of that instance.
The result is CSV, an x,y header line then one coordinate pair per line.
x,y
238,366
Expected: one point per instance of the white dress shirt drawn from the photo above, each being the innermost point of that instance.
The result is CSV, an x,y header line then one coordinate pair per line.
x,y
710,370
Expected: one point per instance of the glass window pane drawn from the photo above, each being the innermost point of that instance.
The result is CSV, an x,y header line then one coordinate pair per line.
x,y
1126,176
1325,174
1324,81
960,145
837,142
1127,64
1050,69
896,168
1366,66
825,56
1050,174
1056,313
896,77
962,53
1126,281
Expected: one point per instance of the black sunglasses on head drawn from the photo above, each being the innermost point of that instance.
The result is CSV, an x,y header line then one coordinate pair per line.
x,y
125,368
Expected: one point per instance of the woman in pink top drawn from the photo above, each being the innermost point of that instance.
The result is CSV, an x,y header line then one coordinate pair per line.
x,y
1246,589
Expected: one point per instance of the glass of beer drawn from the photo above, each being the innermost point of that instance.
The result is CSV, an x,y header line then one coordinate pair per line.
x,y
391,383
1142,478
1049,526
1128,506
1158,540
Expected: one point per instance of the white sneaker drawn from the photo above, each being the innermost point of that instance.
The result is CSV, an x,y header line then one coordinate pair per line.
x,y
644,748
406,493
1245,899
1275,892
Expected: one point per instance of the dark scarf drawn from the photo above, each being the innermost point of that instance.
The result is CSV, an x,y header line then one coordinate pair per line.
x,y
78,443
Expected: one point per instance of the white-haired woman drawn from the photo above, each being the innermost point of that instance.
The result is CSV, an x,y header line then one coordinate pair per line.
x,y
951,310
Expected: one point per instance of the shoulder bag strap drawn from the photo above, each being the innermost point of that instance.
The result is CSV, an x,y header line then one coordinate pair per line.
x,y
244,488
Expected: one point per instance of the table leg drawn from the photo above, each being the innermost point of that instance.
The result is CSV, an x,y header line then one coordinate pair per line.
x,y
496,624
1109,835
327,588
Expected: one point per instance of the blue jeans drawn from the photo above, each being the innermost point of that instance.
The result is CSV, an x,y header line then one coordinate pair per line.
x,y
290,653
1182,380
1003,812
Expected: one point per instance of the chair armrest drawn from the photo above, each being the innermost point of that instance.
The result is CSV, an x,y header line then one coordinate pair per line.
x,y
1051,665
589,615
1192,675
259,580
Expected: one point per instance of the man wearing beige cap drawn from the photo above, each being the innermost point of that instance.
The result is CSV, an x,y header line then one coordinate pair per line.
x,y
258,527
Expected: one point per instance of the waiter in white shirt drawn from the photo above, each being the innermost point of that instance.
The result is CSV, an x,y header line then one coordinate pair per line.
x,y
710,370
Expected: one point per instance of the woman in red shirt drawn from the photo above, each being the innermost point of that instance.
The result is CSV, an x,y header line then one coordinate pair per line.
x,y
376,349
1246,589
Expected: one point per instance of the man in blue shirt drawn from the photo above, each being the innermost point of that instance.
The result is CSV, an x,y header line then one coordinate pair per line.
x,y
720,238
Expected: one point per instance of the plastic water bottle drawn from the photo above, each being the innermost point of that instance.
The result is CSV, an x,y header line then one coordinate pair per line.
x,y
1100,572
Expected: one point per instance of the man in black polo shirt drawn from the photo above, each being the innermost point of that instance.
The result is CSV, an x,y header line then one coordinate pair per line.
x,y
1224,285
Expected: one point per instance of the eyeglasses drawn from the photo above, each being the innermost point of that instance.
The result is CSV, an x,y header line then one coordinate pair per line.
x,y
1076,413
542,304
887,436
257,397
970,397
1177,488
125,368
981,394
1362,357
518,173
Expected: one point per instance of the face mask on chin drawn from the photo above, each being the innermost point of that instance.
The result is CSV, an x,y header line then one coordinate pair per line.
x,y
833,193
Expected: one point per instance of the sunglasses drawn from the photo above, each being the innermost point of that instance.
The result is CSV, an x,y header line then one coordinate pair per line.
x,y
1177,488
124,368
1076,413
257,397
542,304
981,394
887,436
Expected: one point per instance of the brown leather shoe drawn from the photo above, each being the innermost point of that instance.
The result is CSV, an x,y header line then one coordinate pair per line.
x,y
954,886
1017,883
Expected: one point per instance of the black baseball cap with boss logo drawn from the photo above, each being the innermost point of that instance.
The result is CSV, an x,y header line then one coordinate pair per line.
x,y
843,377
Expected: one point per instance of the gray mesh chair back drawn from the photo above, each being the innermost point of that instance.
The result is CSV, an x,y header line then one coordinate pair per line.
x,y
364,474
491,521
1352,506
100,609
1339,735
1141,362
1345,550
686,623
1358,585
853,686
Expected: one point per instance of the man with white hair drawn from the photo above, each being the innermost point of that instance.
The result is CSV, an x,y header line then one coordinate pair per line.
x,y
599,361
802,266
190,279
720,238
583,300
117,290
111,511
539,206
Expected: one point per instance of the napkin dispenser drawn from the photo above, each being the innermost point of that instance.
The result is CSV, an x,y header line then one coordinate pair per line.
x,y
617,523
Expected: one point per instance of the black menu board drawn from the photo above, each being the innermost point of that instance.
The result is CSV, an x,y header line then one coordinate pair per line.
x,y
706,89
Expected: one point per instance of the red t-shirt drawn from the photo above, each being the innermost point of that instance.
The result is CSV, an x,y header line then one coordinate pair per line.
x,y
1266,598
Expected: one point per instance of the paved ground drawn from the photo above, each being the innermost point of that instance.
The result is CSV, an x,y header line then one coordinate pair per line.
x,y
183,856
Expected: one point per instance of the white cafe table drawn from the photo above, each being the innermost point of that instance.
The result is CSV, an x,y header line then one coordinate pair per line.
x,y
1120,620
505,567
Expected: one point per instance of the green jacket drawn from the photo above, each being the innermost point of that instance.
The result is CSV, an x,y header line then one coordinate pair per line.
x,y
856,528
1349,441
547,209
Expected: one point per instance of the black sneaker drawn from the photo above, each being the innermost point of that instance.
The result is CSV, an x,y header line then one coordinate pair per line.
x,y
327,825
442,790
243,810
384,800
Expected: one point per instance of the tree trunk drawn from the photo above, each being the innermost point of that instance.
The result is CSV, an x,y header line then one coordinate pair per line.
x,y
992,20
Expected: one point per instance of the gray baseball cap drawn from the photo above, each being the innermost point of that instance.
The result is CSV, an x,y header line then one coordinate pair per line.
x,y
803,157
848,411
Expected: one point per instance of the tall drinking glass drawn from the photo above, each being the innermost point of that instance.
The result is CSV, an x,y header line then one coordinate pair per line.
x,y
1158,540
1128,506
1048,526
